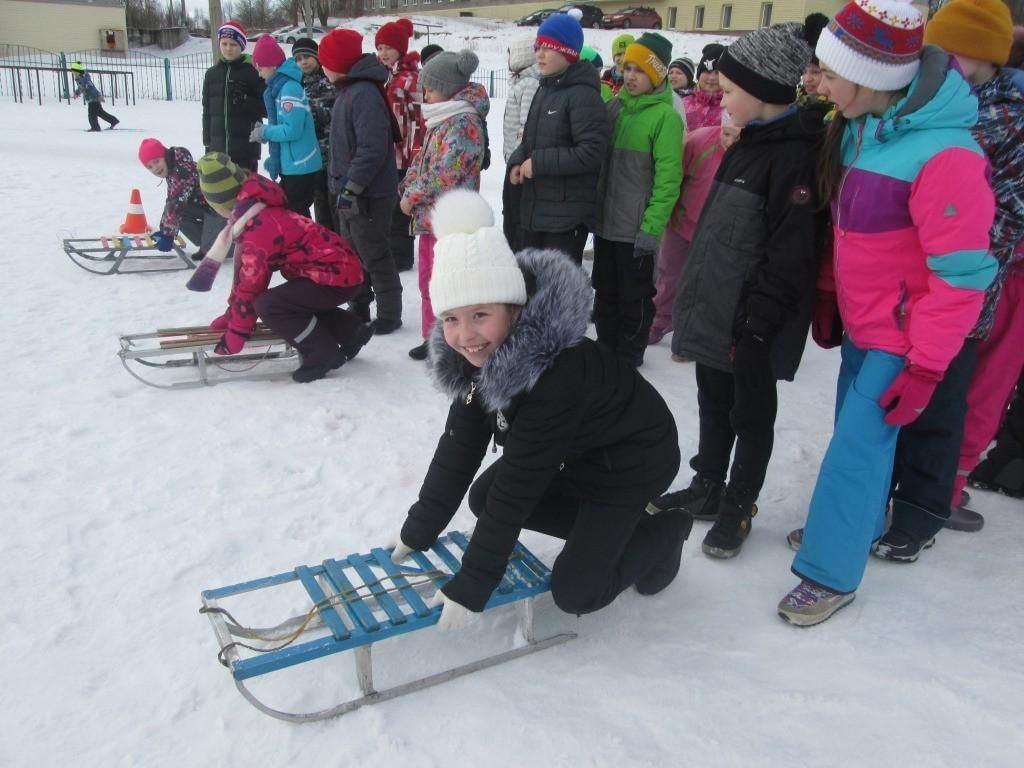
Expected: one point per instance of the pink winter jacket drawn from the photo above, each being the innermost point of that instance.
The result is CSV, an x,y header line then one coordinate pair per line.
x,y
703,108
277,239
702,154
911,220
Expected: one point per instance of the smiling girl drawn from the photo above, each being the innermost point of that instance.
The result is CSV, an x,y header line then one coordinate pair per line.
x,y
586,440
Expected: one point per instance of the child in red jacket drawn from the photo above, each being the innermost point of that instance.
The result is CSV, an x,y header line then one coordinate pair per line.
x,y
321,272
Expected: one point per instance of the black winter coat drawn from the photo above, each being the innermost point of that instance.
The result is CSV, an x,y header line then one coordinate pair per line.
x,y
232,104
560,405
565,137
754,258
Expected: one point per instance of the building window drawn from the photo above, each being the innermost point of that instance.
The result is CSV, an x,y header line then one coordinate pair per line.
x,y
726,16
698,17
671,18
766,14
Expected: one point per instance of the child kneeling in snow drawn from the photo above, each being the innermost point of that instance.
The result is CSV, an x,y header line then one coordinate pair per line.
x,y
321,271
186,210
586,439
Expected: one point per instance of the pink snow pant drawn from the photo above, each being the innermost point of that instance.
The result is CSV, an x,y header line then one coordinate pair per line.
x,y
426,268
1000,359
671,259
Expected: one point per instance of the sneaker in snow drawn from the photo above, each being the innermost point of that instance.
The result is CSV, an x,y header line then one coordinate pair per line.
x,y
795,538
726,537
700,500
808,604
899,547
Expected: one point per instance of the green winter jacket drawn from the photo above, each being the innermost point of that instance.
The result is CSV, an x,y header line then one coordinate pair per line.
x,y
643,169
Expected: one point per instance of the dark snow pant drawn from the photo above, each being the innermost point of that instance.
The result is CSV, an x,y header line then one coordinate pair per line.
x,y
324,204
511,201
201,226
96,110
300,189
400,238
307,315
623,298
928,453
729,414
367,230
608,547
1003,467
571,242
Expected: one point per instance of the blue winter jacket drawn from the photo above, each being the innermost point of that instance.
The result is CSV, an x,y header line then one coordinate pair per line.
x,y
85,87
294,149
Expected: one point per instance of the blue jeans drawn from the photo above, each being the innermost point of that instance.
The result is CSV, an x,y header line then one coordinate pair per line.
x,y
847,510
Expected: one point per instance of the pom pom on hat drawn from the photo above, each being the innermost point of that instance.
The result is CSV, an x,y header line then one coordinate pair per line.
x,y
151,149
473,263
233,30
395,34
267,52
576,13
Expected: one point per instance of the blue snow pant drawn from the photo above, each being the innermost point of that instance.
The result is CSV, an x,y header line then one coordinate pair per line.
x,y
847,510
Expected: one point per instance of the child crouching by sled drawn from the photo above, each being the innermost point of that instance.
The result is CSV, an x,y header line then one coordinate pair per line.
x,y
185,210
321,271
586,439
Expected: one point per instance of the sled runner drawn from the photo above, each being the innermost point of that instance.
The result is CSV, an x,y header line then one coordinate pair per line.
x,y
179,358
126,254
360,600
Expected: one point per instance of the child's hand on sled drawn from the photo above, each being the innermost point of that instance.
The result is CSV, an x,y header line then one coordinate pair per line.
x,y
453,615
163,241
230,343
220,323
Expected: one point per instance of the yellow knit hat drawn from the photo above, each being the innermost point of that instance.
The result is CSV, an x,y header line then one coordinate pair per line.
x,y
978,29
652,53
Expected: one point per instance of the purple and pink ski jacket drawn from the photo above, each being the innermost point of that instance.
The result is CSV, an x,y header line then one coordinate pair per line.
x,y
911,220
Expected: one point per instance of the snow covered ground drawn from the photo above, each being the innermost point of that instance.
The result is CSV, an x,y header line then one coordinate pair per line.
x,y
122,502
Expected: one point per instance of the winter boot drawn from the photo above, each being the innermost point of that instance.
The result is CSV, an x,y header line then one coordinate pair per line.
x,y
319,353
964,520
700,500
350,348
900,547
664,572
726,537
384,327
419,353
808,604
361,310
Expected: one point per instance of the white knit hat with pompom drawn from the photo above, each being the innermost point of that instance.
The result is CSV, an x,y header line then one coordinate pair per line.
x,y
473,263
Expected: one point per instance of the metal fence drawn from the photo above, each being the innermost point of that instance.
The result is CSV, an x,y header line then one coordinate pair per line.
x,y
154,77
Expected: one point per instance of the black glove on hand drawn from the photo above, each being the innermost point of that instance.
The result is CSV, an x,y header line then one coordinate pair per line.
x,y
752,362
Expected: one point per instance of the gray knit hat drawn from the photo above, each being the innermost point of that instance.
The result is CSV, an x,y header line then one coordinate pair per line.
x,y
768,62
449,72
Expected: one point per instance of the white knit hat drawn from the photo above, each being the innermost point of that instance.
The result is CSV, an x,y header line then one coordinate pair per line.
x,y
874,43
473,263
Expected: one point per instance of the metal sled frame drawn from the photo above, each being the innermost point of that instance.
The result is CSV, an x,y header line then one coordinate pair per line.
x,y
372,612
107,255
192,347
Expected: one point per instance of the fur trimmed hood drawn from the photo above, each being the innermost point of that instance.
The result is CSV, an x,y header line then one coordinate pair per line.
x,y
554,318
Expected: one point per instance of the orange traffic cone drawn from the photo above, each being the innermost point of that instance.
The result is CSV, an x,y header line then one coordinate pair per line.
x,y
135,221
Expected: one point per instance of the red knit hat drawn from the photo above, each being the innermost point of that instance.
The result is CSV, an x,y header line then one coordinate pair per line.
x,y
395,34
151,149
340,49
267,52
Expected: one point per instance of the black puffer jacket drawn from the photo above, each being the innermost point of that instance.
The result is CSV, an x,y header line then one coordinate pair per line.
x,y
755,253
232,104
560,405
565,138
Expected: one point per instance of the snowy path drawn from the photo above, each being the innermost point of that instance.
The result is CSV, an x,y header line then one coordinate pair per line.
x,y
123,502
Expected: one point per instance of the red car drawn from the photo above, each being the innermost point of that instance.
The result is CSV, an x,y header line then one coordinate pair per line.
x,y
639,17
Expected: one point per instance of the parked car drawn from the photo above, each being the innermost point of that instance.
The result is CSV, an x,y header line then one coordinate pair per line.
x,y
298,33
638,17
534,19
592,15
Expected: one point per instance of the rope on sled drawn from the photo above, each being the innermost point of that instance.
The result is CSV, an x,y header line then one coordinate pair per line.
x,y
216,362
345,597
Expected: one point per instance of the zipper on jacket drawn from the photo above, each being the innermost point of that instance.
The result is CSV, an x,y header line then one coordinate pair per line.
x,y
899,312
840,233
472,391
227,135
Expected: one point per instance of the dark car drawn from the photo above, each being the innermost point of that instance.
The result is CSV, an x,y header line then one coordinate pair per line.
x,y
638,17
534,19
592,15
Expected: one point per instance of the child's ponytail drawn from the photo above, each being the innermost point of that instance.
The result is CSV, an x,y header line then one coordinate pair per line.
x,y
830,167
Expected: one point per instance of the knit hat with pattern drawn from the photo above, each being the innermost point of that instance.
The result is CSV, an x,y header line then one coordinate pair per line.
x,y
306,45
977,29
874,43
652,53
709,58
768,62
621,43
232,30
562,33
220,180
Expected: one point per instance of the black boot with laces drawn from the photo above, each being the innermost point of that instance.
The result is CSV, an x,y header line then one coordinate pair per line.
x,y
700,500
731,529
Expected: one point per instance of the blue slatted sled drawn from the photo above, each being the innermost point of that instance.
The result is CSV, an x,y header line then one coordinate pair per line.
x,y
359,600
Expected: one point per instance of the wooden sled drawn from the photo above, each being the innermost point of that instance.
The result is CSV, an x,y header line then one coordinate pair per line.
x,y
360,600
181,358
126,255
